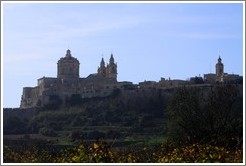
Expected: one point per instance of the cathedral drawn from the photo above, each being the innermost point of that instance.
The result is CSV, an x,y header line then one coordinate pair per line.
x,y
68,82
110,71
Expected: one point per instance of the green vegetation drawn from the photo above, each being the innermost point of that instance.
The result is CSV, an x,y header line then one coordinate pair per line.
x,y
188,124
213,117
113,116
101,152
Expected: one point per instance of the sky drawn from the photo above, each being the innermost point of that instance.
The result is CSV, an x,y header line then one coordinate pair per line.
x,y
148,40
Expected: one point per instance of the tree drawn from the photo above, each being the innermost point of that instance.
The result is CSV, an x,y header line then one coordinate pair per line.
x,y
47,132
54,102
74,100
183,111
224,113
206,115
15,125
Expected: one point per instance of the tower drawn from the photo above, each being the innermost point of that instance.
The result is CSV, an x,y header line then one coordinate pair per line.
x,y
111,70
102,69
68,66
219,70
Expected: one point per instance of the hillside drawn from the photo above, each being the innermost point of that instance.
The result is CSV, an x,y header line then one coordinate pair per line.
x,y
125,114
134,118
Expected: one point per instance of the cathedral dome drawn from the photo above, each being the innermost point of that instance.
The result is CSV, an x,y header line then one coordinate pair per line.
x,y
68,58
68,66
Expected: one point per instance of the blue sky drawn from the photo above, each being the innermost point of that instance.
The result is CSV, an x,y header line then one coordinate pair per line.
x,y
149,41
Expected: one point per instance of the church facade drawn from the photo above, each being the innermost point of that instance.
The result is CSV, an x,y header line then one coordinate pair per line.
x,y
68,82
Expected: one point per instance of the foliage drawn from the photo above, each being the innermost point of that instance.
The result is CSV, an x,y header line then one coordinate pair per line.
x,y
137,112
15,125
183,111
197,153
204,125
27,155
213,116
95,153
74,100
55,102
47,132
100,152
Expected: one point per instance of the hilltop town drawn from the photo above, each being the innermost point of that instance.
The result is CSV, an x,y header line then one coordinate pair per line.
x,y
60,113
68,83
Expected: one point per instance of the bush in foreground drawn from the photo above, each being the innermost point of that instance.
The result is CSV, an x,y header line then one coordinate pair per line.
x,y
101,153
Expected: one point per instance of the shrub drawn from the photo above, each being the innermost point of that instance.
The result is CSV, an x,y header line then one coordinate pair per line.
x,y
95,135
75,135
47,132
99,152
207,117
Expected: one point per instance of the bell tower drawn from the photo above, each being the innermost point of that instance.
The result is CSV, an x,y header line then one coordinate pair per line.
x,y
111,71
102,69
219,70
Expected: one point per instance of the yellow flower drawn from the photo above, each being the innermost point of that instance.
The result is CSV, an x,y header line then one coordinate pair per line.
x,y
95,146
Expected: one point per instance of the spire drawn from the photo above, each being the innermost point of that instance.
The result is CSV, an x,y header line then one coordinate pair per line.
x,y
219,60
68,53
102,63
111,60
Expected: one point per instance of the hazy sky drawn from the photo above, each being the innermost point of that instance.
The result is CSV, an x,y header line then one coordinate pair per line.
x,y
149,41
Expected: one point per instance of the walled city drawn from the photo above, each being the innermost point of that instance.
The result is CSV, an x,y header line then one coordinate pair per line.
x,y
104,82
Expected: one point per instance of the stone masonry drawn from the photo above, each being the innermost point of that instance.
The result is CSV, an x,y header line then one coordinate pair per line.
x,y
68,83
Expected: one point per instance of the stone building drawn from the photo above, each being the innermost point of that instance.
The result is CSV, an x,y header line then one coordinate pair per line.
x,y
103,83
68,82
219,70
68,67
220,76
166,83
109,71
